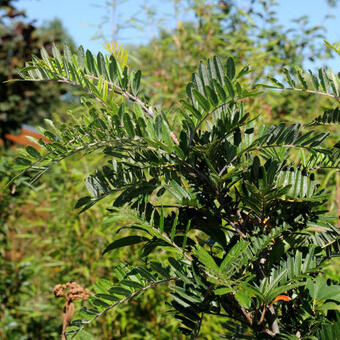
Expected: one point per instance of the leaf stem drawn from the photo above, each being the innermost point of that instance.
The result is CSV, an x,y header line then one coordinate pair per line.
x,y
118,90
312,91
126,298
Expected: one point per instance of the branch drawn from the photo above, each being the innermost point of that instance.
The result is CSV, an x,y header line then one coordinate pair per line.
x,y
64,80
96,144
247,315
330,242
118,90
242,234
224,169
312,91
126,298
338,197
115,88
167,239
275,325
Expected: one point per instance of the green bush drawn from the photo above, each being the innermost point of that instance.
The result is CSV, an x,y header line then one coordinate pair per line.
x,y
229,212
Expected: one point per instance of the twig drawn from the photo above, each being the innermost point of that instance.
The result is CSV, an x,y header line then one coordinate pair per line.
x,y
338,197
224,169
68,312
262,315
246,314
311,91
243,235
118,90
115,88
275,325
126,298
64,80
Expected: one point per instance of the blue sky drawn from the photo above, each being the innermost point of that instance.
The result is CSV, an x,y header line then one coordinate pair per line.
x,y
82,18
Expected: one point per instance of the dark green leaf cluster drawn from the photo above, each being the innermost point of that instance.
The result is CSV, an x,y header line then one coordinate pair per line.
x,y
237,213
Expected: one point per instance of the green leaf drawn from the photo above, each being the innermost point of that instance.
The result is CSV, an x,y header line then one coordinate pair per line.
x,y
301,77
132,284
33,152
120,291
83,201
136,82
101,65
178,268
45,56
244,71
212,95
90,63
90,311
67,54
113,69
203,102
81,335
206,259
219,70
124,81
203,73
314,80
23,161
192,109
276,83
234,254
125,241
323,79
99,303
146,274
128,125
329,117
102,286
156,266
107,297
220,91
177,190
223,291
243,298
56,54
197,83
173,228
229,87
328,306
230,68
288,77
81,57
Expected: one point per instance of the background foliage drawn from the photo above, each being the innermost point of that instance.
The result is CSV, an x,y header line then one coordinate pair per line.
x,y
22,103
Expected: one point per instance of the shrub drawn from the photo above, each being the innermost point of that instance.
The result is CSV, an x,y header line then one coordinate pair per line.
x,y
232,208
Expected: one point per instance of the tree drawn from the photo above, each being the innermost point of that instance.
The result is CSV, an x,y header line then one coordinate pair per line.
x,y
250,32
234,205
19,40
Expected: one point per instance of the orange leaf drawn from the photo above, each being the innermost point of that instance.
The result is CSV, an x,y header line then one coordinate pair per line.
x,y
282,298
